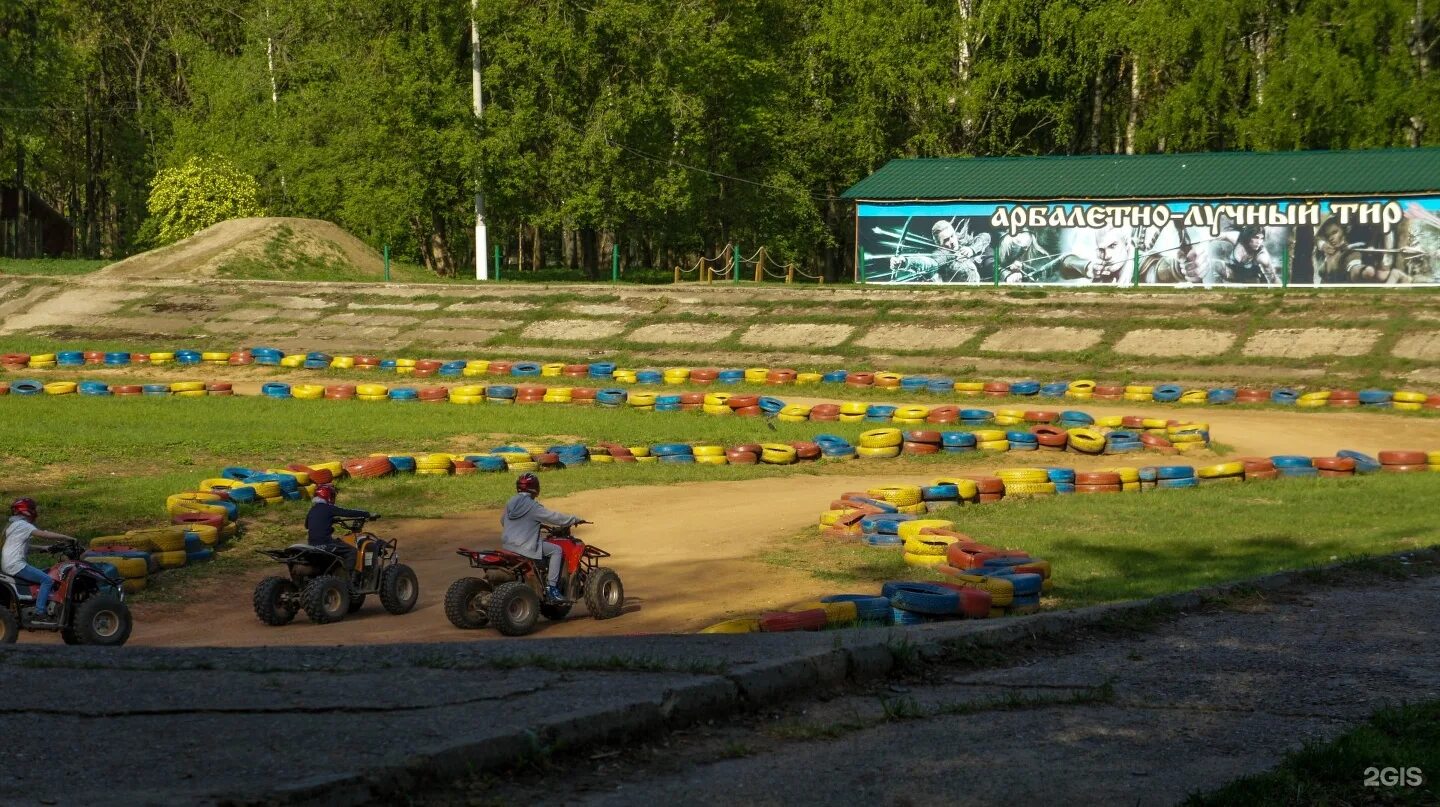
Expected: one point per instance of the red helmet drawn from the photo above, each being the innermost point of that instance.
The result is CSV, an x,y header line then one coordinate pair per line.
x,y
326,492
25,508
528,483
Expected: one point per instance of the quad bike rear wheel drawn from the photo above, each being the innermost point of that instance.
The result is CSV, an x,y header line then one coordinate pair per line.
x,y
466,601
275,600
326,599
399,589
9,626
604,593
103,621
514,609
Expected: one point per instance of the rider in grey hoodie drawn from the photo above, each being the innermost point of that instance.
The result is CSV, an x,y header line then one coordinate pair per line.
x,y
521,531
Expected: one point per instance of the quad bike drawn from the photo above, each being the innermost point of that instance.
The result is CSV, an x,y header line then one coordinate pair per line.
x,y
320,584
89,604
508,595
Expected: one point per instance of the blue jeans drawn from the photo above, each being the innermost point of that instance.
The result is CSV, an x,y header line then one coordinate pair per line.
x,y
30,574
554,557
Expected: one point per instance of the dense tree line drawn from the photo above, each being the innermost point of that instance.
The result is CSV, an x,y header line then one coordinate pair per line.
x,y
670,128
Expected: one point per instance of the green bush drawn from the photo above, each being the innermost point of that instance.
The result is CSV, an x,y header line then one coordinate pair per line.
x,y
203,191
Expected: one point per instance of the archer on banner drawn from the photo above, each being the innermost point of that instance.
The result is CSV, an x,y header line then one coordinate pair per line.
x,y
1162,242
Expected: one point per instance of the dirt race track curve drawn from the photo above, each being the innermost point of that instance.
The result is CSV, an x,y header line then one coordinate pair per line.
x,y
687,553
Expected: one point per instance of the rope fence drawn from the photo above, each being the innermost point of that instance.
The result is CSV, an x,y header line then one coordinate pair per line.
x,y
765,266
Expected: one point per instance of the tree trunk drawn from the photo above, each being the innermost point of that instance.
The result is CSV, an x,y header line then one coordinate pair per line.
x,y
567,247
1132,119
1097,118
536,262
589,252
1420,51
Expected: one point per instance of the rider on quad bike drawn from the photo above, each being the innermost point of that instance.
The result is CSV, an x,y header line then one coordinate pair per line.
x,y
320,523
19,532
521,532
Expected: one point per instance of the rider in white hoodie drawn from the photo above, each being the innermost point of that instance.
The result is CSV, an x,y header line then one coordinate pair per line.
x,y
19,532
521,531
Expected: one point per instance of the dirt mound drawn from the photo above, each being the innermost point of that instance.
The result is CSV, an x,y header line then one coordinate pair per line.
x,y
237,240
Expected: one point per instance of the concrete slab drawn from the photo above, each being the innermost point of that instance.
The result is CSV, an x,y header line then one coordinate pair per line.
x,y
1300,343
903,338
573,330
679,333
1423,346
796,335
1174,342
1042,340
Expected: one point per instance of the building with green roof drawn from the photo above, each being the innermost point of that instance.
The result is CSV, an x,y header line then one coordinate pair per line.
x,y
1317,218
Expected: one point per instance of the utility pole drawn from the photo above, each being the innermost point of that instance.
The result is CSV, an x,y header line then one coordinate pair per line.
x,y
481,244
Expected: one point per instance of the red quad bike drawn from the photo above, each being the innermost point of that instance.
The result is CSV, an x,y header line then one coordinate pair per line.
x,y
90,605
320,584
509,594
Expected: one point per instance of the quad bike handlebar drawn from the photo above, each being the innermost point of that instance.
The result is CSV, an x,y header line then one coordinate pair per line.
x,y
69,547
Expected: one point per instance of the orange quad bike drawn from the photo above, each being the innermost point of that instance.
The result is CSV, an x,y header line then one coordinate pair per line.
x,y
508,594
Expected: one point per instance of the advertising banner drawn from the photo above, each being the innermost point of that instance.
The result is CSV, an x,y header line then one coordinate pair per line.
x,y
1161,242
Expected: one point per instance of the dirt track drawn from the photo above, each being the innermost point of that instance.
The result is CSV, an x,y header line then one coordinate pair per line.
x,y
687,552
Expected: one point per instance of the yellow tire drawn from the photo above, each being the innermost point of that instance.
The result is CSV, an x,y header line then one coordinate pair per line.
x,y
1139,389
808,378
1433,457
60,388
923,561
1082,385
799,411
187,386
714,409
777,454
1029,488
854,408
552,370
1109,422
738,625
372,390
129,568
163,357
881,438
1002,592
844,418
214,355
647,459
298,361
1126,473
988,435
207,533
915,413
718,399
640,451
170,560
892,379
969,386
967,487
1138,397
708,451
1406,406
877,453
756,375
910,530
1186,448
720,460
307,392
1087,441
343,362
641,399
1005,420
1223,469
993,446
1022,475
1410,396
896,494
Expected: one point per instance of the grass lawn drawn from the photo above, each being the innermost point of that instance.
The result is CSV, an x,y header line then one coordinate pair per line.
x,y
51,266
1126,546
100,465
1335,773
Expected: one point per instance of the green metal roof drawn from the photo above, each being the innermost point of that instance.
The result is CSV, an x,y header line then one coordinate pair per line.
x,y
1235,174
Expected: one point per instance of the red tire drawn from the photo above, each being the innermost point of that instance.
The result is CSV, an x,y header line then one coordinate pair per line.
x,y
783,621
1403,458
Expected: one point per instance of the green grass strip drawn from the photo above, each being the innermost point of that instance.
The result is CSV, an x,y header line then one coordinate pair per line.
x,y
1383,752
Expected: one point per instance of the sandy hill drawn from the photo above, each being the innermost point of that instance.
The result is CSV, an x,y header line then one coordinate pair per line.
x,y
204,253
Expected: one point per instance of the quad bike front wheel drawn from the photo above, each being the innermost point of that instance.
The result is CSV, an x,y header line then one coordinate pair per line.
x,y
514,609
9,626
103,621
604,593
466,601
326,599
275,600
399,589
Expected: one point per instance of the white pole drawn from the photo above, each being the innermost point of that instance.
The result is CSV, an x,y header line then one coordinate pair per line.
x,y
481,244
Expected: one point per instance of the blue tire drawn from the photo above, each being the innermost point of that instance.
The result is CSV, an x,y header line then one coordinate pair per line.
x,y
922,598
